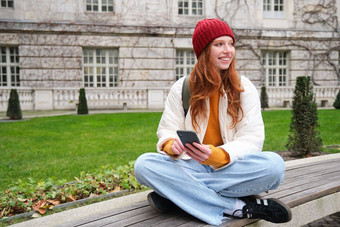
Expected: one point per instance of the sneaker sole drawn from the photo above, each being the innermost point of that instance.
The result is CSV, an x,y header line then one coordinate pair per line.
x,y
285,206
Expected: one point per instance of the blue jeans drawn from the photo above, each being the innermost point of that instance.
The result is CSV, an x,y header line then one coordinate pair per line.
x,y
204,192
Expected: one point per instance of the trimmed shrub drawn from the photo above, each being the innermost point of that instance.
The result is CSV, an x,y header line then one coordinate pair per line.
x,y
303,139
82,105
13,108
264,98
336,103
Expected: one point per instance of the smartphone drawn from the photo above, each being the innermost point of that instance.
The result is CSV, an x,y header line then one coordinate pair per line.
x,y
188,136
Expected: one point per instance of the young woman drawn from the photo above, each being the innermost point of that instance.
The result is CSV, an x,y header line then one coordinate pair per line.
x,y
219,176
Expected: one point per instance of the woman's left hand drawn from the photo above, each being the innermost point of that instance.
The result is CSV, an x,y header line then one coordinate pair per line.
x,y
198,152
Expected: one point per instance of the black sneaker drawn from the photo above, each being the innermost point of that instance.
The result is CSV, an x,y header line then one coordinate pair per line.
x,y
272,210
159,203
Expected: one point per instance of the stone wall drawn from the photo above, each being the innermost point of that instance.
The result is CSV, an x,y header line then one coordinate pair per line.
x,y
311,53
51,36
50,58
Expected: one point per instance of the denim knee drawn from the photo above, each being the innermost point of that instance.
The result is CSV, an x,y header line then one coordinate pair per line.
x,y
142,165
139,166
275,168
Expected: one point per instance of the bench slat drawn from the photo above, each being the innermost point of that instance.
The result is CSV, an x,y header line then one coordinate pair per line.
x,y
130,219
324,172
159,219
312,194
311,170
138,207
302,183
311,164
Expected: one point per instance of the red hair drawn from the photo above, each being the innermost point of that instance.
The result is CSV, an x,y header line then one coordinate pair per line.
x,y
205,80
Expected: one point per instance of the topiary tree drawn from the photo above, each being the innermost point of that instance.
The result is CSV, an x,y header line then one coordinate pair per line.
x,y
303,138
13,108
264,98
82,105
336,103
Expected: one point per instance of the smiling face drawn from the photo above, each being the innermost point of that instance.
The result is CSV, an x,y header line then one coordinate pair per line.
x,y
222,52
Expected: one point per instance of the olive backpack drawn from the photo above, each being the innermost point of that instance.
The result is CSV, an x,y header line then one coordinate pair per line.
x,y
186,95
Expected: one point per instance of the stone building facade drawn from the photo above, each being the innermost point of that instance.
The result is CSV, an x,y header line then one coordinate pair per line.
x,y
129,53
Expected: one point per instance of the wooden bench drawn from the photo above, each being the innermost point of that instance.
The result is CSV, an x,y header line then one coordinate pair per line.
x,y
311,188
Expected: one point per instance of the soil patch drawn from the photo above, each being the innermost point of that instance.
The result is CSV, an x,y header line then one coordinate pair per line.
x,y
289,155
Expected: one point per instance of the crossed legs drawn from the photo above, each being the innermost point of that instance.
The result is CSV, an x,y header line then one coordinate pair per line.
x,y
204,192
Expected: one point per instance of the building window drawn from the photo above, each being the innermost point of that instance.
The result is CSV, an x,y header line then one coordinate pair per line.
x,y
190,7
275,64
9,67
7,3
274,8
99,5
185,62
101,67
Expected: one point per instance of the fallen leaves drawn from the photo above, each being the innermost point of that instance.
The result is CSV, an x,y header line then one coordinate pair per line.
x,y
42,196
54,202
40,207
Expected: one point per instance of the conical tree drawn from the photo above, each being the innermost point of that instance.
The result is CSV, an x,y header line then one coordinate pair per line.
x,y
264,98
82,105
13,108
303,138
336,103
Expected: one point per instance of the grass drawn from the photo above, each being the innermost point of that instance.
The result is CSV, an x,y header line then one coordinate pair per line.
x,y
277,128
63,146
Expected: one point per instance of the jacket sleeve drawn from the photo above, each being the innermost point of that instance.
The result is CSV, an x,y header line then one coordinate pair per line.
x,y
173,116
249,132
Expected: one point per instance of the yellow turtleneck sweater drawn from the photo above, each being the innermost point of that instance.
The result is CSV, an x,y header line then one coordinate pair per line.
x,y
212,137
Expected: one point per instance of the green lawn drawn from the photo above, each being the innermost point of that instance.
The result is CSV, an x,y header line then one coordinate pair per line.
x,y
63,146
277,128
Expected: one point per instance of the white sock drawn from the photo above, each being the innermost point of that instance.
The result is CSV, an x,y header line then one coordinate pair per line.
x,y
237,206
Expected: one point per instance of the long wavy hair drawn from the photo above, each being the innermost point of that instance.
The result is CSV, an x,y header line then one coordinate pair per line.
x,y
205,79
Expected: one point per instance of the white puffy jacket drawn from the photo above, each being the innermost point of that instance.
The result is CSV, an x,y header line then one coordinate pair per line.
x,y
246,137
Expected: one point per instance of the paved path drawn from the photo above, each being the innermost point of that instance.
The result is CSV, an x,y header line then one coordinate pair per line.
x,y
329,221
48,113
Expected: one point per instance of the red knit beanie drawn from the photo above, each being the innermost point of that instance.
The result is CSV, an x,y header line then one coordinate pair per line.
x,y
206,31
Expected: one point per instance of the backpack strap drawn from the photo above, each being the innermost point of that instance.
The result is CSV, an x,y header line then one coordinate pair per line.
x,y
186,95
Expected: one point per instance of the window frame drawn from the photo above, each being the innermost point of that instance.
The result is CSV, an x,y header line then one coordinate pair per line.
x,y
100,5
190,7
189,61
7,3
269,9
276,74
97,74
12,68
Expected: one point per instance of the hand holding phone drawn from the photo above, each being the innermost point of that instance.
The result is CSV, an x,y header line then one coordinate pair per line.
x,y
200,152
188,136
177,147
